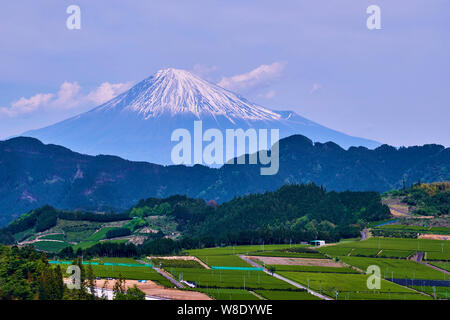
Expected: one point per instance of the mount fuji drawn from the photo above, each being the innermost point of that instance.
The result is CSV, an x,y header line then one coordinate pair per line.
x,y
137,124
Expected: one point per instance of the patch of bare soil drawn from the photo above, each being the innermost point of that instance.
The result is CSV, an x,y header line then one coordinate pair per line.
x,y
399,209
152,289
148,230
297,261
435,236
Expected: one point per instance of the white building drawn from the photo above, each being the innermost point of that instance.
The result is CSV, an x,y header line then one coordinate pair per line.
x,y
318,242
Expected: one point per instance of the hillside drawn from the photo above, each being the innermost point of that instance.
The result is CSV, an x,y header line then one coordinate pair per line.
x,y
421,199
292,213
34,174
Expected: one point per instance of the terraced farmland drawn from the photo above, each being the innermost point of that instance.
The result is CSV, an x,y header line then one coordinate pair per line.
x,y
50,246
442,265
236,279
350,286
229,294
279,268
131,273
391,247
438,292
286,295
396,268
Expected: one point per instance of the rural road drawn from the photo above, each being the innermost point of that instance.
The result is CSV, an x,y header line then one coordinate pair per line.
x,y
295,284
434,267
165,275
38,238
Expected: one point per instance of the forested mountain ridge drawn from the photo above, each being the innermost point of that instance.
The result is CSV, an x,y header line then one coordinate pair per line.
x,y
292,213
33,174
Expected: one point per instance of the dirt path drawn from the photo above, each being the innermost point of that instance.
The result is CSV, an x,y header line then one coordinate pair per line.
x,y
38,238
257,295
434,267
401,210
295,284
435,236
169,277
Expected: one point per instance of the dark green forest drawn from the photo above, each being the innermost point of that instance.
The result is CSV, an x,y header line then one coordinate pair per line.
x,y
26,274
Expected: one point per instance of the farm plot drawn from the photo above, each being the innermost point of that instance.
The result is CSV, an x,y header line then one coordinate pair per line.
x,y
152,289
349,286
114,260
396,268
364,252
228,256
399,244
337,250
398,254
391,248
442,265
57,236
175,263
438,292
437,256
50,246
88,244
296,261
223,261
298,252
100,234
131,273
233,279
234,250
288,254
286,295
228,294
312,269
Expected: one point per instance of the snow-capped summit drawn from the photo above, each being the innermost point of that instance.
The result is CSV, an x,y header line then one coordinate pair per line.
x,y
174,91
137,124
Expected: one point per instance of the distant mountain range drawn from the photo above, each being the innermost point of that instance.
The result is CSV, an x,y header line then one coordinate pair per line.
x,y
137,124
33,174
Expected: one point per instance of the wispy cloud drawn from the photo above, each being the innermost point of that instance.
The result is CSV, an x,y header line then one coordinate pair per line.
x,y
24,105
203,70
268,95
106,91
69,96
256,77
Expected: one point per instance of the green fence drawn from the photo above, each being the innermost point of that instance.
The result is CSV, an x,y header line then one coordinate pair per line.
x,y
104,264
237,268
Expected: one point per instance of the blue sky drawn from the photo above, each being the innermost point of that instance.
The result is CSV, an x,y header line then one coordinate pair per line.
x,y
314,57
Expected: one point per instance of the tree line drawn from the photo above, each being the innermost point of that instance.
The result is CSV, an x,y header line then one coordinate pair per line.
x,y
26,274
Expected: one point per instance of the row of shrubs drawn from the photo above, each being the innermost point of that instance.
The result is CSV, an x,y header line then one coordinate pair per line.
x,y
394,233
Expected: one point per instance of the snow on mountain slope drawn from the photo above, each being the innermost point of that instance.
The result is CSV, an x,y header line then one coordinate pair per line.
x,y
137,124
176,92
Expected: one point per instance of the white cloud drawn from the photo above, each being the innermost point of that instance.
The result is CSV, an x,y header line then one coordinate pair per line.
x,y
106,91
203,70
258,76
24,105
269,94
69,96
